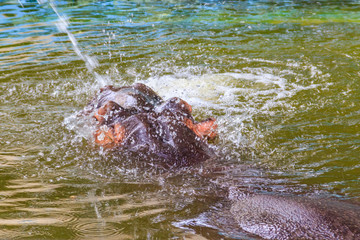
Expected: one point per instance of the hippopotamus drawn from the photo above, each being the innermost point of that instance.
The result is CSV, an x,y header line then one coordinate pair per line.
x,y
135,118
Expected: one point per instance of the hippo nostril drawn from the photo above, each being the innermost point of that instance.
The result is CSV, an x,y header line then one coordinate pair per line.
x,y
104,137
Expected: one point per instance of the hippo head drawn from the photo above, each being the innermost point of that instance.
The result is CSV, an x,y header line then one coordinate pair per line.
x,y
136,119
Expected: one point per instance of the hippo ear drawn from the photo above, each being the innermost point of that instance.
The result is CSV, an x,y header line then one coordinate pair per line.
x,y
106,88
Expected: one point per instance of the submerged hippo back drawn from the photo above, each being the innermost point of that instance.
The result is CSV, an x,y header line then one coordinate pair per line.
x,y
285,217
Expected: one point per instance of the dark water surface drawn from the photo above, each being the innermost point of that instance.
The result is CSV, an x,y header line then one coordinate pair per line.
x,y
281,77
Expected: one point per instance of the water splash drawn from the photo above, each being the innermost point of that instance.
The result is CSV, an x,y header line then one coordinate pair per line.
x,y
243,101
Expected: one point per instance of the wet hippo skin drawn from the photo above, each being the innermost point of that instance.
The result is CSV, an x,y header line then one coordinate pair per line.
x,y
135,118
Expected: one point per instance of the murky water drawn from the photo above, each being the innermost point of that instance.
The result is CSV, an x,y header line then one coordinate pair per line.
x,y
282,78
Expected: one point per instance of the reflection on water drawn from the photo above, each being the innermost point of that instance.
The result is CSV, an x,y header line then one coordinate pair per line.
x,y
280,77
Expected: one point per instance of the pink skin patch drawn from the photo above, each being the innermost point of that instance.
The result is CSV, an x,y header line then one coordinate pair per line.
x,y
204,129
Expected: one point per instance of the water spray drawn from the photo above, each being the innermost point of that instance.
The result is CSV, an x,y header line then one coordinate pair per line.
x,y
63,26
21,3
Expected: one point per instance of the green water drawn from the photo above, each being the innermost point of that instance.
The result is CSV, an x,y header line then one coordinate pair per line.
x,y
281,77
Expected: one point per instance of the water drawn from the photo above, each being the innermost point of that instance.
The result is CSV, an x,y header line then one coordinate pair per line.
x,y
282,78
